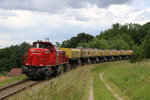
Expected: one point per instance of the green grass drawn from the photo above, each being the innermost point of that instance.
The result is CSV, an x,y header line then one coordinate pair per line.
x,y
100,91
133,80
130,81
73,85
11,80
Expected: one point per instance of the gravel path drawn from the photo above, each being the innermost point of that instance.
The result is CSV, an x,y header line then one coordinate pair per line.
x,y
91,94
109,88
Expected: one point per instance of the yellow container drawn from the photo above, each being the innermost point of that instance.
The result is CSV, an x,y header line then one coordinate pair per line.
x,y
106,52
100,52
85,53
122,52
72,52
111,52
93,52
117,53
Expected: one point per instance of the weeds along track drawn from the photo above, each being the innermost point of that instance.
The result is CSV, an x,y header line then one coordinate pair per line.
x,y
16,87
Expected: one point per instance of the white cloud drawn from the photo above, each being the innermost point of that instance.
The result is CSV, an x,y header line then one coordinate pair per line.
x,y
5,36
21,25
53,6
4,39
20,20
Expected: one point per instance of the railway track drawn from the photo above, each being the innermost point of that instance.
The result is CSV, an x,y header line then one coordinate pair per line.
x,y
14,88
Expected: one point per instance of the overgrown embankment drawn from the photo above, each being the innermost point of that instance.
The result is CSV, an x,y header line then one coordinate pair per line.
x,y
73,85
129,81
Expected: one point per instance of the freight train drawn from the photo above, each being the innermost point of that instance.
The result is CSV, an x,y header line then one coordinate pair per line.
x,y
43,59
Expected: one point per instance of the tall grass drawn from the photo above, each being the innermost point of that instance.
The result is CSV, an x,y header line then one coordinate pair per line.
x,y
132,79
73,85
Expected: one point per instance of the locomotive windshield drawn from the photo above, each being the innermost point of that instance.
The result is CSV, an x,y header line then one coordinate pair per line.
x,y
40,45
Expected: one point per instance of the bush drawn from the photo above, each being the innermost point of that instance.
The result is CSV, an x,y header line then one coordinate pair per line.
x,y
146,46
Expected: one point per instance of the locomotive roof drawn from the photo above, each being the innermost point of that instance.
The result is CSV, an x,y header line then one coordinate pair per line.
x,y
43,42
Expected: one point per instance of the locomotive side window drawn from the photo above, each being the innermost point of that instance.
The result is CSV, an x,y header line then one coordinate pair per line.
x,y
41,45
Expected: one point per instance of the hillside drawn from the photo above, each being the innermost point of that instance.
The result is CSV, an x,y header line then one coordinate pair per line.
x,y
129,81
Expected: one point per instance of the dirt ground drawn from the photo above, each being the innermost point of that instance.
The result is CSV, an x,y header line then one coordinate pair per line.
x,y
3,78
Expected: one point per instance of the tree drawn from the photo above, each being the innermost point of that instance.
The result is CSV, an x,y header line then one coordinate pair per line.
x,y
117,25
74,41
99,44
137,54
146,46
119,44
12,56
65,43
145,30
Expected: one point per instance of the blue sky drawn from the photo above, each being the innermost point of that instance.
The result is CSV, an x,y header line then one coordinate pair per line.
x,y
58,20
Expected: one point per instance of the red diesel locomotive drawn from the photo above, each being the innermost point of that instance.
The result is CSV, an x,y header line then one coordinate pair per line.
x,y
44,60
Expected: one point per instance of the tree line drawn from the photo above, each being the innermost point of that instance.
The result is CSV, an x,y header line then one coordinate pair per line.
x,y
134,37
12,56
131,36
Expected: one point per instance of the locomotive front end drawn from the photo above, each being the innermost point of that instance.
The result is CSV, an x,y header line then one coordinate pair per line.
x,y
37,57
36,60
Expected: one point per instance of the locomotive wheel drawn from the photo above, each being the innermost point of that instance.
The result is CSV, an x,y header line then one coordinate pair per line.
x,y
67,67
56,71
60,69
97,60
88,61
79,62
105,59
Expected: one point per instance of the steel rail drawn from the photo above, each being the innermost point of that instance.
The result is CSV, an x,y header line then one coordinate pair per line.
x,y
16,87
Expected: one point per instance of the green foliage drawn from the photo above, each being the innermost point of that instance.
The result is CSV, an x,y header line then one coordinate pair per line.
x,y
145,30
12,56
75,41
142,49
65,43
146,46
83,44
99,44
137,56
119,44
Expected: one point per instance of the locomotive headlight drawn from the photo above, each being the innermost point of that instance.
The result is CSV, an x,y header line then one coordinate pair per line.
x,y
32,50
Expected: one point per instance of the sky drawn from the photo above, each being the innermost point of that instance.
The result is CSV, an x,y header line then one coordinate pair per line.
x,y
58,20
